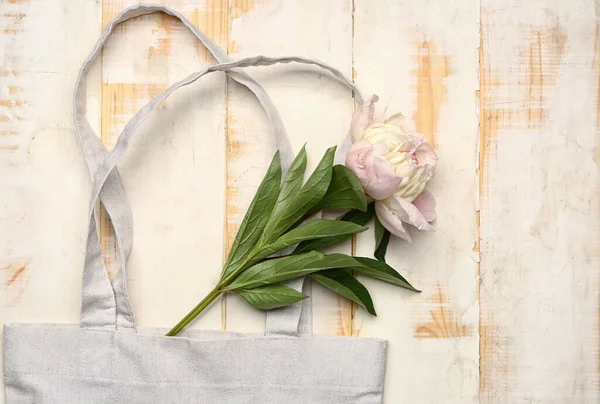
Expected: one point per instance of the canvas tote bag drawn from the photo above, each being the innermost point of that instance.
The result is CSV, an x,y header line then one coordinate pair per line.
x,y
107,359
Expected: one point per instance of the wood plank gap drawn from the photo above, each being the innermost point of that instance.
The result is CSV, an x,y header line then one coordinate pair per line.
x,y
226,139
106,231
481,149
354,306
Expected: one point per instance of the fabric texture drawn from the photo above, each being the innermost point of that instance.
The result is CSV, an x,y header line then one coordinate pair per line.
x,y
107,359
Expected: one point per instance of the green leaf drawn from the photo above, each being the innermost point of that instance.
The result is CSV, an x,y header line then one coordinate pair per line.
x,y
344,192
363,266
381,250
382,239
281,269
354,216
316,229
381,271
309,195
344,284
270,296
291,184
379,232
358,216
256,217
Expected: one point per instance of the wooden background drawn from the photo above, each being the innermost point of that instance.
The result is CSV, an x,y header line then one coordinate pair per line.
x,y
506,90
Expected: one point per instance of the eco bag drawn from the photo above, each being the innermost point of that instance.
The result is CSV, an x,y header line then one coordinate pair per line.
x,y
107,359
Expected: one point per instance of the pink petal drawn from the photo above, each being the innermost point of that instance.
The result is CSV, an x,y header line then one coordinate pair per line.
x,y
415,217
355,160
416,142
426,156
383,181
391,221
363,117
375,174
425,202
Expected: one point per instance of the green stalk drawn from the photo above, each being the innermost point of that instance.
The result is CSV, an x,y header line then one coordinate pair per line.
x,y
216,292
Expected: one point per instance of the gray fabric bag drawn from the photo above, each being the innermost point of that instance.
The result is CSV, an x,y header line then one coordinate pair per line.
x,y
107,359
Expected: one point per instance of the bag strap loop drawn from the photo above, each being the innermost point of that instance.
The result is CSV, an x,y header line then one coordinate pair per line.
x,y
105,305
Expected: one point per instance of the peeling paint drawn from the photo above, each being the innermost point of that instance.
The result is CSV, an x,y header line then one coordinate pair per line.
x,y
443,322
432,69
16,279
15,275
234,48
239,8
213,20
543,55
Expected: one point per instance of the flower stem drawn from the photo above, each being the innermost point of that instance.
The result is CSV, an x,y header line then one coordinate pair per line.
x,y
216,292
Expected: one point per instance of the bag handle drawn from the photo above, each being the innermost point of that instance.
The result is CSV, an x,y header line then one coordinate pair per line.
x,y
124,140
98,308
113,196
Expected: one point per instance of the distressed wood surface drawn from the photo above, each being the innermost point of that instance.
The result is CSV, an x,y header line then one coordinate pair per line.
x,y
312,28
174,172
506,91
539,202
429,74
44,185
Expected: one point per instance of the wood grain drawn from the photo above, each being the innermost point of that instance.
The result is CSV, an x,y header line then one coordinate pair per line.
x,y
43,179
173,175
508,93
444,322
427,74
432,69
315,109
539,204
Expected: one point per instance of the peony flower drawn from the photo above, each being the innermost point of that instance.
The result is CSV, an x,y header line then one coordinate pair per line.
x,y
394,211
393,166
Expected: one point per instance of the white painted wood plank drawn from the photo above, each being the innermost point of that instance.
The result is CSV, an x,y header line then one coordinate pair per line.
x,y
539,293
421,59
539,202
315,109
175,170
44,183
